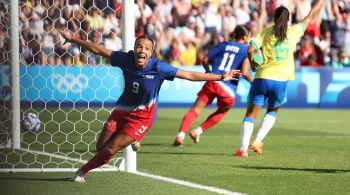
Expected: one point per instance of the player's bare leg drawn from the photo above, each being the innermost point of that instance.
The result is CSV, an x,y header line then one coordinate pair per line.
x,y
103,138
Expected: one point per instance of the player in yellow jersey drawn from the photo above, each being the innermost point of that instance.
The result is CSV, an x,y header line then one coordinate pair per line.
x,y
277,44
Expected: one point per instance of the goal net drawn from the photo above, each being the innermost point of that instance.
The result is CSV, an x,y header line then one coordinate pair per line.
x,y
71,90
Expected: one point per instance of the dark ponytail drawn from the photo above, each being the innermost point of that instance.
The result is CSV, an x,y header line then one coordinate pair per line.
x,y
281,18
239,32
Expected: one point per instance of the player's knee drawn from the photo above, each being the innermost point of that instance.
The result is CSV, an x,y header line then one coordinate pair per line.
x,y
196,110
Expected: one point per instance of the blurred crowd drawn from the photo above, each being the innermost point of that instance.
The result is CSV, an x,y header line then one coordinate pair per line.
x,y
184,29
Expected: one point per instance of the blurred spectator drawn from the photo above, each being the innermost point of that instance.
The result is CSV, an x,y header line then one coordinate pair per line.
x,y
183,29
163,10
113,42
76,57
142,9
242,13
347,32
181,11
188,56
342,61
4,42
111,23
174,53
36,49
48,44
36,22
67,60
95,19
209,14
307,49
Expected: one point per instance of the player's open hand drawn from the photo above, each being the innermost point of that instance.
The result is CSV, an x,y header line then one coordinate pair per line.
x,y
231,75
67,37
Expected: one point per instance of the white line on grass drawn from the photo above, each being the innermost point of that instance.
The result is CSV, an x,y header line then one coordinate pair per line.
x,y
65,158
186,183
158,177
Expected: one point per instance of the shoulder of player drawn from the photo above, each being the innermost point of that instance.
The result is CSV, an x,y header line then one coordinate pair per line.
x,y
156,63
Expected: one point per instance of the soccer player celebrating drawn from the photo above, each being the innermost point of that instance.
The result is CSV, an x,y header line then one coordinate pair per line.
x,y
225,56
137,106
277,44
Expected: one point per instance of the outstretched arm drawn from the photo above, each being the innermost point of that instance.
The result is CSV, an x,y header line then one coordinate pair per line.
x,y
313,12
93,47
199,76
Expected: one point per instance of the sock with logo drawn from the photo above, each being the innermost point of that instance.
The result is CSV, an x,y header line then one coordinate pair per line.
x,y
266,125
246,133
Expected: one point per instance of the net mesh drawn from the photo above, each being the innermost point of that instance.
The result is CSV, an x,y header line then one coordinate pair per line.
x,y
68,87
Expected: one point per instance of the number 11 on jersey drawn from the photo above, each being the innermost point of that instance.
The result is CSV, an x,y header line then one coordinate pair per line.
x,y
227,62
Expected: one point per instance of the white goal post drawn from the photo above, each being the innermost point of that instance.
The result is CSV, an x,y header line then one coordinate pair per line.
x,y
69,127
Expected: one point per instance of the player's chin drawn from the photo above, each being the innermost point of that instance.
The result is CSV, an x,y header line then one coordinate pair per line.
x,y
142,62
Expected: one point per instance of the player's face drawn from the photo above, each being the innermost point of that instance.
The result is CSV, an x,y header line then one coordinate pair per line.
x,y
143,51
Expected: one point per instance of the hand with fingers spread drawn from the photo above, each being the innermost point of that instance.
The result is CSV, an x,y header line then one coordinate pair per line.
x,y
231,75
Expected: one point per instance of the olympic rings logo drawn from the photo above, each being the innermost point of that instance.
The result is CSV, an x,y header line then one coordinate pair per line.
x,y
69,82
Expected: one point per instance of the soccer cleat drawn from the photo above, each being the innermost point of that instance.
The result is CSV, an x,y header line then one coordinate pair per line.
x,y
136,146
257,148
194,136
241,153
79,176
178,141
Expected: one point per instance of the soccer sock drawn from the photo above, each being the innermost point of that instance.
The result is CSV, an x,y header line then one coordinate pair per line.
x,y
99,159
188,120
199,131
246,132
181,134
266,125
213,119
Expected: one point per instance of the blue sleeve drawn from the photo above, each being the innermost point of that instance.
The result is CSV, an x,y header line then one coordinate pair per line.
x,y
119,58
214,51
166,71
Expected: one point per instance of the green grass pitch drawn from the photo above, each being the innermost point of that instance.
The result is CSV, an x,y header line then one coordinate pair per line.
x,y
307,152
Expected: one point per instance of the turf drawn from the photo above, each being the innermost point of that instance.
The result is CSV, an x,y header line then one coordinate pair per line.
x,y
305,153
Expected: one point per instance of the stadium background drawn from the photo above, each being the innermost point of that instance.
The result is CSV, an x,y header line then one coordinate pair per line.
x,y
307,152
184,31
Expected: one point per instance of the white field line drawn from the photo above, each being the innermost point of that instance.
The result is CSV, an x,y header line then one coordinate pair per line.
x,y
186,183
113,168
65,158
156,137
